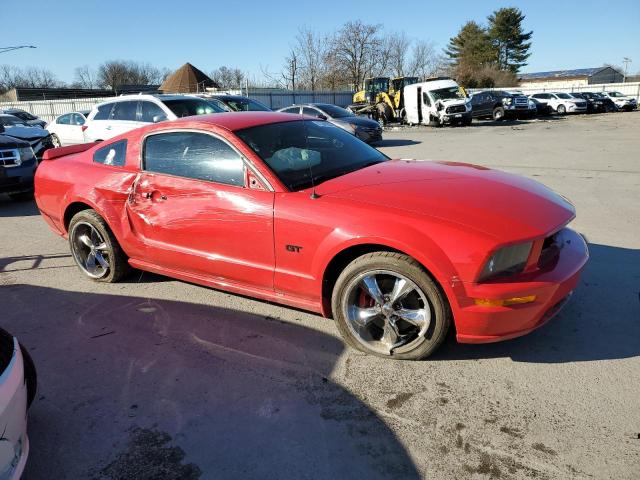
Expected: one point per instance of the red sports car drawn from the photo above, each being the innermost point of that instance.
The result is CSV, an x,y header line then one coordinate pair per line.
x,y
294,210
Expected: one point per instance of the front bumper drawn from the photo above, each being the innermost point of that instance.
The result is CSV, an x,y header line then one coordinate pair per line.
x,y
552,288
14,449
456,117
17,179
519,111
369,135
573,108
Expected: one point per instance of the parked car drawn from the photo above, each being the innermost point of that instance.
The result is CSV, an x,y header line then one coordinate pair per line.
x,y
238,103
17,167
562,103
18,385
622,101
38,137
365,129
26,117
68,129
128,112
437,102
594,104
499,104
297,211
609,105
542,109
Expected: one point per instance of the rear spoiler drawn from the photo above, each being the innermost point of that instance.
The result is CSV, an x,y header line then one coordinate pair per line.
x,y
63,151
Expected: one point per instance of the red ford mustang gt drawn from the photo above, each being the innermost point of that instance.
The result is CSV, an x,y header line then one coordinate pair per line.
x,y
294,210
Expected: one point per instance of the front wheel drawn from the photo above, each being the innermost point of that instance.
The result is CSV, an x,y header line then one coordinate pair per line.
x,y
55,141
94,248
561,109
498,113
385,304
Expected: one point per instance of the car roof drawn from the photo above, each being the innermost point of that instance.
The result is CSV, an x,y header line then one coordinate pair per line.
x,y
240,120
230,97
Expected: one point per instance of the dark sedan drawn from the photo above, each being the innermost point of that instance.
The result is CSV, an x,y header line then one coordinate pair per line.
x,y
365,129
17,167
37,137
26,117
542,109
594,103
607,103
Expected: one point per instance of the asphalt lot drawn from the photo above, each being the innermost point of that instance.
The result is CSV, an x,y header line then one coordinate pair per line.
x,y
155,378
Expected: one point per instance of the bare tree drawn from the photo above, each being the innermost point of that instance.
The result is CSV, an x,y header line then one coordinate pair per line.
x,y
85,77
311,50
356,47
425,61
397,47
114,73
29,77
290,70
10,77
228,77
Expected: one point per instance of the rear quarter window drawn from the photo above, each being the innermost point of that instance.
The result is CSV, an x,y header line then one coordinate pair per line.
x,y
114,154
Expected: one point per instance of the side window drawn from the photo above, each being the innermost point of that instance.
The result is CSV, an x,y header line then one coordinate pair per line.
x,y
193,155
124,111
77,119
425,99
104,111
312,112
64,119
151,113
113,154
292,110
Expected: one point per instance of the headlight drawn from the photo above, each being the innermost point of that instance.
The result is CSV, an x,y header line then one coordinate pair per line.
x,y
507,101
507,260
532,104
25,154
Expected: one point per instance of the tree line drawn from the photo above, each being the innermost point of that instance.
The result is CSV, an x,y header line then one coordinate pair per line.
x,y
477,56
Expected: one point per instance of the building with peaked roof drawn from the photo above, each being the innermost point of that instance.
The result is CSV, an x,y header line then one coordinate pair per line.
x,y
187,79
571,78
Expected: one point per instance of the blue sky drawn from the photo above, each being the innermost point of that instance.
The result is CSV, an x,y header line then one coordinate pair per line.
x,y
252,34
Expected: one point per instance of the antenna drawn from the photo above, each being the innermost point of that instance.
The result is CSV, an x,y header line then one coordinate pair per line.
x,y
314,194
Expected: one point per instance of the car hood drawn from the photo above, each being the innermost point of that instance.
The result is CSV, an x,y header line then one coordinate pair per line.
x,y
26,132
504,206
12,142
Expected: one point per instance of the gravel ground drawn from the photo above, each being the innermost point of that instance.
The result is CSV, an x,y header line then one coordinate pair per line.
x,y
155,378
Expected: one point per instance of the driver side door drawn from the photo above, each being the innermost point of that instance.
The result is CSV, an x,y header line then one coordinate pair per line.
x,y
195,212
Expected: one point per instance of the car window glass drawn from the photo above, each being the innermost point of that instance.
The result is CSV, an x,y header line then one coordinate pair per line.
x,y
425,99
77,119
311,112
193,155
124,111
113,154
104,111
150,112
64,119
291,110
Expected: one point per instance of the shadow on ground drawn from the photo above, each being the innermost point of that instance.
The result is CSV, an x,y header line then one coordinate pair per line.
x,y
601,321
13,208
146,389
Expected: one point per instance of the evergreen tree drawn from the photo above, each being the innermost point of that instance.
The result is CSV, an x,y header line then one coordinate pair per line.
x,y
470,51
511,44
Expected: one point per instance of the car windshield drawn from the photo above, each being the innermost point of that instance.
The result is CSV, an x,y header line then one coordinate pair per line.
x,y
186,107
563,95
293,150
334,111
10,120
246,105
218,103
615,94
24,115
447,93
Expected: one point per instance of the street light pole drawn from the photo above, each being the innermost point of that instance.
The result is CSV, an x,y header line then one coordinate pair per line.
x,y
8,49
626,61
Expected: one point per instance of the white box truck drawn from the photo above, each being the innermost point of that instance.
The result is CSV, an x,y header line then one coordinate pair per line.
x,y
436,102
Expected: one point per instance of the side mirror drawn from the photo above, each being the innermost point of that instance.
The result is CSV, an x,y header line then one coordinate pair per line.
x,y
159,118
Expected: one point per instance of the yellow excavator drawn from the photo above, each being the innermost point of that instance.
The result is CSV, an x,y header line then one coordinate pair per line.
x,y
382,98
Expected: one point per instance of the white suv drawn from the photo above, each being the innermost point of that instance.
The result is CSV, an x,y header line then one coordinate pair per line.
x,y
622,101
562,103
125,113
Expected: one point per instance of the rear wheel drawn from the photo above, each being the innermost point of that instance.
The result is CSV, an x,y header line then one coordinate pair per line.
x,y
385,304
94,248
498,113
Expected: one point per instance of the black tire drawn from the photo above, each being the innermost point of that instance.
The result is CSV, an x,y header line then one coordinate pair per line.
x,y
434,121
467,121
22,196
498,113
407,267
55,140
561,109
30,376
118,265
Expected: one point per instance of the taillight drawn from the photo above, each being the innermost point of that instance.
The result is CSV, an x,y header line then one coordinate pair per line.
x,y
84,127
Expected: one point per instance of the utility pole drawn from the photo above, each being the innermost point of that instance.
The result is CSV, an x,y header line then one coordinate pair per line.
x,y
626,61
8,49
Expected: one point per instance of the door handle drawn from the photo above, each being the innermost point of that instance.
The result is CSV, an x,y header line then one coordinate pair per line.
x,y
109,127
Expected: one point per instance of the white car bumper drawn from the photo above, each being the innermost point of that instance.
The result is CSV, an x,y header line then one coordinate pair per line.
x,y
573,108
14,444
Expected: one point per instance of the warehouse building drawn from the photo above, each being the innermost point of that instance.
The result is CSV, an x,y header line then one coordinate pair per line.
x,y
571,78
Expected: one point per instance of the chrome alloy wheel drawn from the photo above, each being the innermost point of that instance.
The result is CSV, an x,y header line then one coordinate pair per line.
x,y
387,312
89,249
